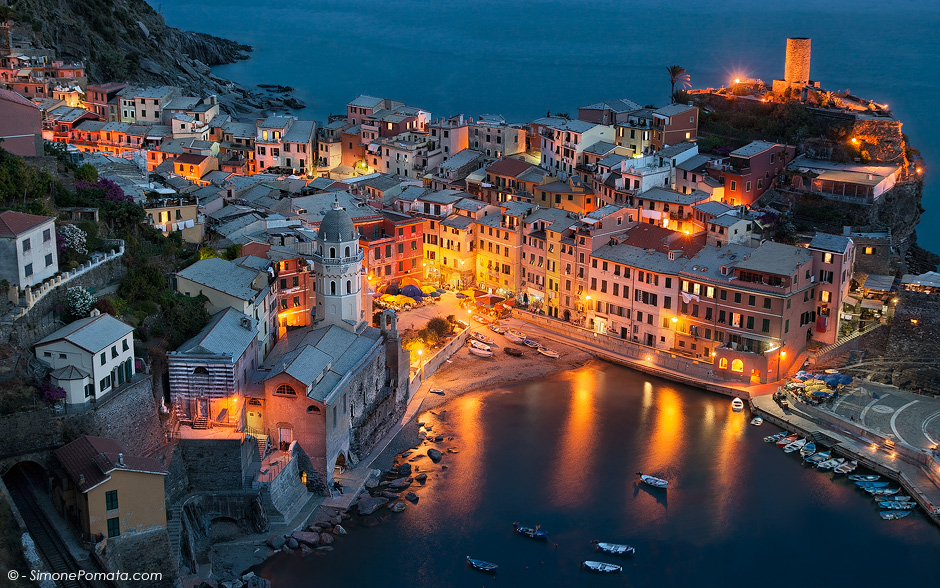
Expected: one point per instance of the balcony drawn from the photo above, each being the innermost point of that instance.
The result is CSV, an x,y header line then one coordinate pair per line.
x,y
337,260
680,216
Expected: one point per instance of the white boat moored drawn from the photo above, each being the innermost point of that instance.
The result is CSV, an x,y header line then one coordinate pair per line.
x,y
737,405
599,566
653,481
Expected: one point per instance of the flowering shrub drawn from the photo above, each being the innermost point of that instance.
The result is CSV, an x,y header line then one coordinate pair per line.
x,y
108,190
79,301
50,392
74,238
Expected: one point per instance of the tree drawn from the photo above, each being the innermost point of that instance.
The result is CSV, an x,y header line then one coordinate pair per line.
x,y
145,282
678,75
78,302
183,316
87,173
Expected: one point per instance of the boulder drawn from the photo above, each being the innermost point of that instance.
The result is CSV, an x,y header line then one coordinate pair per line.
x,y
401,483
276,541
310,538
404,469
453,450
406,454
326,539
435,455
335,520
420,423
443,467
396,506
257,582
293,543
439,438
411,497
429,428
373,480
368,504
339,530
389,495
421,478
422,435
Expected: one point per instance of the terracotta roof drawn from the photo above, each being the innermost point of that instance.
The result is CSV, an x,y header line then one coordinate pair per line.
x,y
13,223
17,98
509,166
89,461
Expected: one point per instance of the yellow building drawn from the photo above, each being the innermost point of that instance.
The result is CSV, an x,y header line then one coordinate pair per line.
x,y
106,492
176,214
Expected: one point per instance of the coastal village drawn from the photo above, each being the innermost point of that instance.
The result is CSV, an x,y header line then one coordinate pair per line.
x,y
618,230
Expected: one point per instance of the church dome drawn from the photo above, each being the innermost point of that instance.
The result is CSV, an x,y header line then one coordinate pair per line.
x,y
337,226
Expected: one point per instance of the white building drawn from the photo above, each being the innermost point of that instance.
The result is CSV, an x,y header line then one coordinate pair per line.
x,y
337,265
27,248
89,357
562,143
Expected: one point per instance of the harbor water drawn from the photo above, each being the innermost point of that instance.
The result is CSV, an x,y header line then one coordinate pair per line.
x,y
564,453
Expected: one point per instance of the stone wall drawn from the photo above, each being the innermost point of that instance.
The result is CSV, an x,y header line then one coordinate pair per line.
x,y
145,552
882,138
910,359
39,321
214,465
286,492
377,423
176,483
128,415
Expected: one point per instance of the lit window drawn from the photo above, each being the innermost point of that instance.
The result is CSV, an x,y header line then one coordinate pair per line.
x,y
723,363
737,366
827,258
286,389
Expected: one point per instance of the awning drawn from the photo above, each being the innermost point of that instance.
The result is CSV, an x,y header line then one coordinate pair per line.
x,y
876,282
373,147
872,304
850,301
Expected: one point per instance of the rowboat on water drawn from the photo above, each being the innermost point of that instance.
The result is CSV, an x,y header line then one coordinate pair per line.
x,y
819,457
615,548
897,505
787,440
531,532
653,481
890,515
775,437
757,421
882,491
737,405
871,484
808,450
599,566
483,566
514,335
548,352
830,463
846,467
798,444
864,477
893,498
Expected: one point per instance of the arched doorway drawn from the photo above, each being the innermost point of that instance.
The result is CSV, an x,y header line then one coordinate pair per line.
x,y
340,465
567,315
254,418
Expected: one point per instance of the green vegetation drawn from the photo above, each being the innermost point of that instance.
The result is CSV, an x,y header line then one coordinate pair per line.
x,y
434,334
678,75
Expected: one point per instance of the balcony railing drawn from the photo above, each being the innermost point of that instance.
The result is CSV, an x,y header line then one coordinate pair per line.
x,y
337,260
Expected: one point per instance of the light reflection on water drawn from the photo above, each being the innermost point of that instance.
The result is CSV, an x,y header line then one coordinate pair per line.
x,y
563,452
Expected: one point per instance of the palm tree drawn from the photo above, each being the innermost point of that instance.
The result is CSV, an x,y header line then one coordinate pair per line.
x,y
677,74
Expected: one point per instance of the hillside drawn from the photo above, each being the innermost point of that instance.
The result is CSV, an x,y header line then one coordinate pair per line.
x,y
127,40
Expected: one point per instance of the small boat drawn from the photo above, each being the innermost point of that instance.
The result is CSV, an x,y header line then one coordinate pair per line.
x,y
897,505
775,437
653,481
808,450
615,548
882,491
531,343
514,336
602,567
737,405
480,319
548,352
798,444
757,421
787,440
871,484
893,498
479,345
531,532
830,463
437,391
512,351
890,515
846,467
482,338
830,372
483,566
480,352
864,477
819,457
496,328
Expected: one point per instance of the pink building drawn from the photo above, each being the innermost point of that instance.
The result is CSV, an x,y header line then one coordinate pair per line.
x,y
20,125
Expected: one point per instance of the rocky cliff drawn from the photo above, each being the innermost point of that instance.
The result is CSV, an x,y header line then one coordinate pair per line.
x,y
127,40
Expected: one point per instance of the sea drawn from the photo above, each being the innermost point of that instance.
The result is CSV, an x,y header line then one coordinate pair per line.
x,y
525,58
563,452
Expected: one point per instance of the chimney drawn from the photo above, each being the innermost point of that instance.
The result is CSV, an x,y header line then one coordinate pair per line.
x,y
121,459
81,479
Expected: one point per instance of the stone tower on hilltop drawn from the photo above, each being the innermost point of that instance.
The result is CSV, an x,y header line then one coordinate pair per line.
x,y
796,68
337,268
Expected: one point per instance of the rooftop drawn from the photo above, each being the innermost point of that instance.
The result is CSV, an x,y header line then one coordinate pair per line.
x,y
508,166
92,334
775,258
13,223
753,148
224,276
673,197
89,461
827,242
224,335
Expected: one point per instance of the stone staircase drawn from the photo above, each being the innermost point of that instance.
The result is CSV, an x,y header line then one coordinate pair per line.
x,y
201,423
841,346
174,528
262,445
